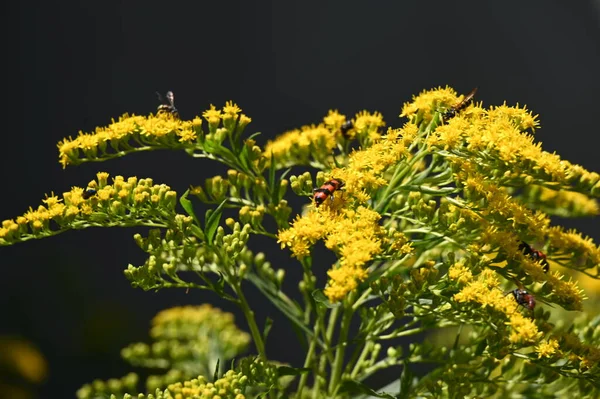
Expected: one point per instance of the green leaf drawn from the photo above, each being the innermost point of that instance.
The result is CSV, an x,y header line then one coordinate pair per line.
x,y
354,387
187,206
288,370
267,329
212,222
481,347
405,381
288,307
216,373
320,298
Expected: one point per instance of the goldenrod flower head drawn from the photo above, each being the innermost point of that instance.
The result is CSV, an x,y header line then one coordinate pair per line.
x,y
231,110
72,206
89,146
547,348
212,115
334,120
520,117
485,291
459,272
300,146
354,235
367,124
428,101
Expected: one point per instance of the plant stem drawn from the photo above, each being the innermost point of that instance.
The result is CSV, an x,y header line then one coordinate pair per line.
x,y
249,314
338,362
309,359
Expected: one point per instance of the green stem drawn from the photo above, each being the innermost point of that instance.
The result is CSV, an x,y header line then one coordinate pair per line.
x,y
361,358
309,359
338,362
249,314
323,361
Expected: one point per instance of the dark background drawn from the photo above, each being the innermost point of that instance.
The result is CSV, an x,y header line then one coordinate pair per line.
x,y
73,66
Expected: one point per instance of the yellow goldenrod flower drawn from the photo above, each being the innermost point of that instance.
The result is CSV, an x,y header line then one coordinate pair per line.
x,y
75,211
428,102
354,234
547,348
151,130
460,273
334,120
212,115
301,146
486,292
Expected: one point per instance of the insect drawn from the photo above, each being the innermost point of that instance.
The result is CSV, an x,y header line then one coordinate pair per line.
x,y
326,190
523,298
87,194
346,126
452,111
168,104
535,255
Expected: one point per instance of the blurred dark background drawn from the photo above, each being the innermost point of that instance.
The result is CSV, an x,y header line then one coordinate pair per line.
x,y
74,65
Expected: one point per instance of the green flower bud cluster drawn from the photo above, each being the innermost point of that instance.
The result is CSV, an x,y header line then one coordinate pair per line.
x,y
232,244
303,184
392,292
169,254
154,382
259,264
259,372
252,194
231,386
189,340
101,389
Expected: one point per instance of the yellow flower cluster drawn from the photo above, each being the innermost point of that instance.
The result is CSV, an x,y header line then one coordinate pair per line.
x,y
353,231
354,234
134,127
548,348
429,101
497,138
316,142
230,386
76,206
296,145
562,202
366,168
485,290
498,203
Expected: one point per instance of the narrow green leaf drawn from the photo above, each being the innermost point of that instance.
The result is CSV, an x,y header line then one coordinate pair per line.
x,y
212,222
320,298
187,206
216,373
267,329
405,381
354,387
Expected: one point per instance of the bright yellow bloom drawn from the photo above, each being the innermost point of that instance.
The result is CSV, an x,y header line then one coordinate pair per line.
x,y
460,273
355,235
486,292
547,348
212,115
63,211
88,145
334,120
428,101
231,110
300,146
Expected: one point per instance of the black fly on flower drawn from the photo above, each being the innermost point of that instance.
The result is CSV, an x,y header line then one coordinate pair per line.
x,y
167,105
